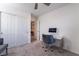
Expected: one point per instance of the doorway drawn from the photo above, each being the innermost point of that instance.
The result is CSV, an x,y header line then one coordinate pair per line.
x,y
33,29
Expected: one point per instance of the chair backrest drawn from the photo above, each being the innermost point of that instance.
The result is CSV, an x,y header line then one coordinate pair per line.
x,y
1,41
48,39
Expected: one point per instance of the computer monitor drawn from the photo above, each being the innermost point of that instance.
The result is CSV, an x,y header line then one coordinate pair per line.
x,y
53,30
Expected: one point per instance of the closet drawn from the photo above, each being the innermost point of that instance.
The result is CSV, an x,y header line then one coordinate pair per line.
x,y
13,29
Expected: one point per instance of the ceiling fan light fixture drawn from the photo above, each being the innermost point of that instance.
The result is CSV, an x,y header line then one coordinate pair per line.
x,y
36,5
48,4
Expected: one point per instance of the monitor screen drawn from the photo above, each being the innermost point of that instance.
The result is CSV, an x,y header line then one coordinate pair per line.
x,y
53,30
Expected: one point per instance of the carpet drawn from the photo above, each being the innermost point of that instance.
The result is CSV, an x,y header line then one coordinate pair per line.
x,y
36,49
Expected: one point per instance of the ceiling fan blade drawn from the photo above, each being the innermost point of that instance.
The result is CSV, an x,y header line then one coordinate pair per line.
x,y
36,5
47,4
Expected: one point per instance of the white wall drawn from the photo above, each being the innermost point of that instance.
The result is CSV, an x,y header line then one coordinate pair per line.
x,y
19,11
38,29
66,19
28,23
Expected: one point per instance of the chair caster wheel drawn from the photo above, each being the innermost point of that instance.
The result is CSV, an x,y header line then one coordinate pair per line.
x,y
42,47
45,50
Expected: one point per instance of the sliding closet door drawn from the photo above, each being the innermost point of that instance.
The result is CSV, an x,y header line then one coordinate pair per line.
x,y
0,24
20,32
13,29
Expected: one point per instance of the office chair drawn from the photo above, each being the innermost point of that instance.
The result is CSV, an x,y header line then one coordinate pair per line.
x,y
48,41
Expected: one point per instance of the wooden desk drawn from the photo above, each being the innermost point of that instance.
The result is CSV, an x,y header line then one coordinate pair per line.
x,y
59,43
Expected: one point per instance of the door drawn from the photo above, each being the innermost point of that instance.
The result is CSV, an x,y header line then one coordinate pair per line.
x,y
33,31
13,29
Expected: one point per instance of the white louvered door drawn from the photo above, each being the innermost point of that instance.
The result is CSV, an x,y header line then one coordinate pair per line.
x,y
13,29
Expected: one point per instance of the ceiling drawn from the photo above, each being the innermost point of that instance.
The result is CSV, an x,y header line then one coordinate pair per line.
x,y
29,7
42,9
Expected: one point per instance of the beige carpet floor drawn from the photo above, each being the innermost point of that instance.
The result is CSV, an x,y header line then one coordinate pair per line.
x,y
35,49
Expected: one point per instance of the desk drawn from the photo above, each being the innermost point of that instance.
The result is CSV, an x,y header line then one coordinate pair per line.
x,y
59,43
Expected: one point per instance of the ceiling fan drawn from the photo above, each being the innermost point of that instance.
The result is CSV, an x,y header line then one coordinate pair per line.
x,y
36,5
